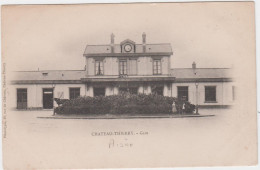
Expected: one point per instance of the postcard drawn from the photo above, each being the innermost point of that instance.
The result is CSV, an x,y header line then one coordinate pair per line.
x,y
138,85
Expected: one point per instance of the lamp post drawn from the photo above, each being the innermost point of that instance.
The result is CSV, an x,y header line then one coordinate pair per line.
x,y
53,101
197,106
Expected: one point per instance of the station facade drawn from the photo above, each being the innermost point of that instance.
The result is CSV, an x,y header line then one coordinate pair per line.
x,y
126,67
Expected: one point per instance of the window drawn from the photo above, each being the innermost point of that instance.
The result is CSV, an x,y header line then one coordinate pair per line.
x,y
99,91
21,98
210,93
132,67
74,93
183,93
99,68
157,90
157,66
123,67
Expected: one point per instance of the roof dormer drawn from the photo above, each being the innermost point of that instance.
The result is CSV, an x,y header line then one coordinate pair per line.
x,y
127,46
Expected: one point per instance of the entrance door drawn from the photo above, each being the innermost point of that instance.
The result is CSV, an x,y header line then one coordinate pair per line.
x,y
99,91
47,98
123,90
133,90
21,98
183,93
157,90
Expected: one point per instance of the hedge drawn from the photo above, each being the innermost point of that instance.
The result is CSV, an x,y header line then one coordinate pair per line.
x,y
118,104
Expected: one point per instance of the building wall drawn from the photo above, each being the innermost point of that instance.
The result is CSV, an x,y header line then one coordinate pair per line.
x,y
144,66
90,66
224,93
167,90
111,66
165,65
35,93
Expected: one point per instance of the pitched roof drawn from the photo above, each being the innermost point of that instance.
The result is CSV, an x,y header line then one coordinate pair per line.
x,y
127,41
49,75
75,76
201,73
106,49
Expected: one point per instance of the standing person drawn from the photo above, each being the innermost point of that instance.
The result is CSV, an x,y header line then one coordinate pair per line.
x,y
55,104
174,110
183,107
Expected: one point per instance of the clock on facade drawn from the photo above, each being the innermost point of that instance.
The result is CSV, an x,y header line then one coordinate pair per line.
x,y
128,48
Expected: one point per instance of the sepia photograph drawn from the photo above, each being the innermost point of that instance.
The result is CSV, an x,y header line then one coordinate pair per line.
x,y
137,85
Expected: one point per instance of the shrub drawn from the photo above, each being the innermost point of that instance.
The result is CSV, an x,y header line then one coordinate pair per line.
x,y
188,107
118,104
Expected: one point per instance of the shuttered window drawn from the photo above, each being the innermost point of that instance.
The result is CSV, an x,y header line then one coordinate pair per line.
x,y
123,67
99,68
156,66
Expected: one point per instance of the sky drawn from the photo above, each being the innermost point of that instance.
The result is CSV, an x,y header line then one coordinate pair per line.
x,y
53,37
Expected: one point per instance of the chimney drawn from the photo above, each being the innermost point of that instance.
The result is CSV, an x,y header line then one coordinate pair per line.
x,y
144,42
194,65
112,44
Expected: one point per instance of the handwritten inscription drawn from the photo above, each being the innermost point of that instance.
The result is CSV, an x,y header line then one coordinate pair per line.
x,y
124,142
120,144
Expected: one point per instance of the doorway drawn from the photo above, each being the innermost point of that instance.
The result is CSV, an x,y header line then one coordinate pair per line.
x,y
157,90
47,98
99,91
21,98
183,93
